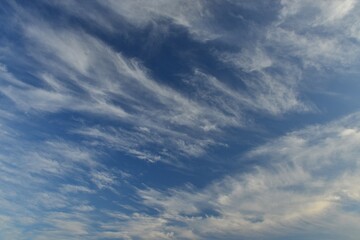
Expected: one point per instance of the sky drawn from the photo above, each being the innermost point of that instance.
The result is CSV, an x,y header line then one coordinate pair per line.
x,y
179,119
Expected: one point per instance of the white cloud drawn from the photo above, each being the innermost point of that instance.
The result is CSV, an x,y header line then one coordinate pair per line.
x,y
306,182
319,12
193,15
307,177
318,33
100,81
104,82
67,188
248,59
264,92
137,226
41,195
84,208
154,144
71,227
103,179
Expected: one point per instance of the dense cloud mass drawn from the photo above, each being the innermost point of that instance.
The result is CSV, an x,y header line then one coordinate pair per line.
x,y
156,119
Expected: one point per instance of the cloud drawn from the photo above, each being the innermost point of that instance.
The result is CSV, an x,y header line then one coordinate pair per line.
x,y
72,227
142,142
307,177
84,208
327,12
188,14
109,99
318,33
95,79
83,74
103,179
67,188
45,199
100,81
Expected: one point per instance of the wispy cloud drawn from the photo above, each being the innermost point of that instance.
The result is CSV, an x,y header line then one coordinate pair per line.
x,y
323,37
71,94
42,187
84,75
308,177
327,12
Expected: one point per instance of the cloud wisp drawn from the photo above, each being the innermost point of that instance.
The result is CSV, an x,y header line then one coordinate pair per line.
x,y
84,74
308,184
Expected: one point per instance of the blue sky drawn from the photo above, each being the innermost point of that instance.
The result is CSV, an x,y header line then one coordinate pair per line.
x,y
181,119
